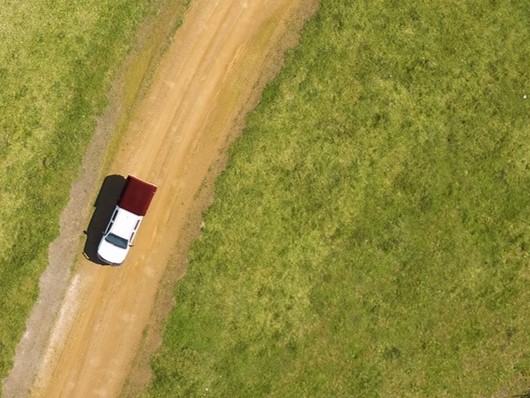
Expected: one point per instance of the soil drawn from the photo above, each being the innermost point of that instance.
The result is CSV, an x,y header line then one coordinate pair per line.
x,y
95,328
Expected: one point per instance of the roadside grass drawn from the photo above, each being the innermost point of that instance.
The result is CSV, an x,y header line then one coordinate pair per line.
x,y
57,60
370,235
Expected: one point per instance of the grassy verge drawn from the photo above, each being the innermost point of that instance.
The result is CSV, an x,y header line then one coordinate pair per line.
x,y
57,60
370,235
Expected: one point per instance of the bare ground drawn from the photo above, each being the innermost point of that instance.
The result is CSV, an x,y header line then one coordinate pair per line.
x,y
86,330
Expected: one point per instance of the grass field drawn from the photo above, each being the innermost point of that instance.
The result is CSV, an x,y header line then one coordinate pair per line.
x,y
370,235
57,60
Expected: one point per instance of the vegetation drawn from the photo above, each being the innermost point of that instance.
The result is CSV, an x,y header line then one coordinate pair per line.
x,y
56,62
370,235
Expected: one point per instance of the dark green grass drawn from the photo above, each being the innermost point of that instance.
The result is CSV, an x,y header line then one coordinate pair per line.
x,y
371,234
56,64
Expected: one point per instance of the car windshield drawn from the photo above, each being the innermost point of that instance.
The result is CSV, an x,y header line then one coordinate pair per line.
x,y
117,241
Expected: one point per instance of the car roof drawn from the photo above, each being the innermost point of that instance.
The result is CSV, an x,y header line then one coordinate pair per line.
x,y
125,223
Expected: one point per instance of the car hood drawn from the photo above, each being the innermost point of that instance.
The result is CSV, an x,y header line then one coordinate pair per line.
x,y
110,253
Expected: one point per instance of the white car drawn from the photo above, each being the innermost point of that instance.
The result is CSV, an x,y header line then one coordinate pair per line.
x,y
118,236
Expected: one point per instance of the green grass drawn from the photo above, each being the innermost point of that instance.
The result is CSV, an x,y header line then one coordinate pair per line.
x,y
370,235
57,60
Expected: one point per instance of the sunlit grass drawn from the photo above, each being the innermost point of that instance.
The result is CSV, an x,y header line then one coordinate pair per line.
x,y
370,236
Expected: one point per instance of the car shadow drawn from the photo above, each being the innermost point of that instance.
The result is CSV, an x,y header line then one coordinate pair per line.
x,y
108,197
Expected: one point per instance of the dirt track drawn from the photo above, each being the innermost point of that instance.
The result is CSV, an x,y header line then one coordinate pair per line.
x,y
181,128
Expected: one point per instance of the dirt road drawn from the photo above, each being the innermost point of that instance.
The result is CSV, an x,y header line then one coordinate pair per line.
x,y
180,129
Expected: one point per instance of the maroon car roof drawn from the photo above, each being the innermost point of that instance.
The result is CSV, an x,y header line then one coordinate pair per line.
x,y
137,196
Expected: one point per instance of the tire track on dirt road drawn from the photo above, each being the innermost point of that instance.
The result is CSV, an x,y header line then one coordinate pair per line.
x,y
179,130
